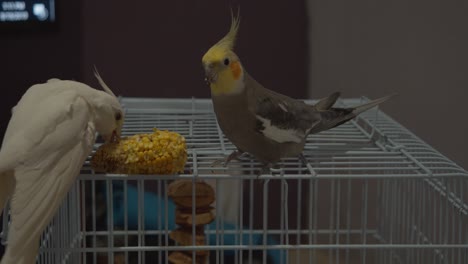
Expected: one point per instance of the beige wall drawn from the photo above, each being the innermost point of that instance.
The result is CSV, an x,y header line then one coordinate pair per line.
x,y
417,48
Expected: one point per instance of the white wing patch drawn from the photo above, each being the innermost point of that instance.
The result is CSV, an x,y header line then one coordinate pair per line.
x,y
278,134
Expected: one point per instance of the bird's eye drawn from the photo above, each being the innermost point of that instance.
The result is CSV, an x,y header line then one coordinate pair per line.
x,y
118,116
226,61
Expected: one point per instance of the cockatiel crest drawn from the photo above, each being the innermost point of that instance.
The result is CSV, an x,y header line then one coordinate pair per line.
x,y
219,50
223,69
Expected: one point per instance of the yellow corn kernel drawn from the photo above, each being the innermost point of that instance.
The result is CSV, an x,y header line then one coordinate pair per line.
x,y
162,152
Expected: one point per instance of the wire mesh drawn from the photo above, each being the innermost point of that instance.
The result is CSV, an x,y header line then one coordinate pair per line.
x,y
368,191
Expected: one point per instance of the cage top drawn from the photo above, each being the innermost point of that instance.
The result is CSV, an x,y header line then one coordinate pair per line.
x,y
373,145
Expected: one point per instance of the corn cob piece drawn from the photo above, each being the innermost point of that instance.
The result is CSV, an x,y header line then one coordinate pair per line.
x,y
162,152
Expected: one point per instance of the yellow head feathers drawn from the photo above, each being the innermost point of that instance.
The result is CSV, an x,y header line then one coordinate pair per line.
x,y
219,50
228,41
223,70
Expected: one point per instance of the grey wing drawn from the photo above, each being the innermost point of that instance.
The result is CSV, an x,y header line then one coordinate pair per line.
x,y
42,184
283,119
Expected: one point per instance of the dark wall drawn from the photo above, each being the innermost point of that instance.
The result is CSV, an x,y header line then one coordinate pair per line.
x,y
32,56
154,48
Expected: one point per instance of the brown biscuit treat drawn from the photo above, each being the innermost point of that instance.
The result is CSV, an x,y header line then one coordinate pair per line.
x,y
199,210
181,192
180,258
183,236
119,258
185,218
177,257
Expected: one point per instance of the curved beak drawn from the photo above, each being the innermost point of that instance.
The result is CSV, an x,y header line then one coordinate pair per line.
x,y
210,74
112,138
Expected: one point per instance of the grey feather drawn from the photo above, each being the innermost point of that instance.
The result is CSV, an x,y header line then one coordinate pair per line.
x,y
336,116
271,126
327,102
371,104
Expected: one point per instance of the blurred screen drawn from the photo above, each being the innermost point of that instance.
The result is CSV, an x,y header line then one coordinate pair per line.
x,y
27,11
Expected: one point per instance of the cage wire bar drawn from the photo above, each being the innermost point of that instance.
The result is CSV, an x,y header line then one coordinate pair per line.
x,y
368,191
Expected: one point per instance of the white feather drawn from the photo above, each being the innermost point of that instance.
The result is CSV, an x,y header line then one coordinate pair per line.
x,y
53,80
102,83
47,140
278,134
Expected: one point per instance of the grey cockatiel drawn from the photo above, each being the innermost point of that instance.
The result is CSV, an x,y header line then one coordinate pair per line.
x,y
50,134
266,124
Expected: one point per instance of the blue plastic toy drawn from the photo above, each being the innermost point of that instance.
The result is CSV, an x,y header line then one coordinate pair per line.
x,y
153,204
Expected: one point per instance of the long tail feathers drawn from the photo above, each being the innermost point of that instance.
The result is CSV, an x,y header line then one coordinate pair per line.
x,y
327,102
332,117
371,104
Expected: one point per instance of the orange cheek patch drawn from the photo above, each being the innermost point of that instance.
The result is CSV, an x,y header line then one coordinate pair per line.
x,y
236,69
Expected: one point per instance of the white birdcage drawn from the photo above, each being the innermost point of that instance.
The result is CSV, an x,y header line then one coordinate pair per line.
x,y
369,192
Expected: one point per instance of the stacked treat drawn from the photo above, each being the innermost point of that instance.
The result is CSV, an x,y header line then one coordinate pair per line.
x,y
187,201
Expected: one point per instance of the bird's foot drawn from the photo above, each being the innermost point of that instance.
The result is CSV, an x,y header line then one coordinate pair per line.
x,y
303,159
234,155
306,164
266,169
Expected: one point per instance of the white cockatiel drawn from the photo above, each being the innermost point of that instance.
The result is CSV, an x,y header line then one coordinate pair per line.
x,y
50,134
